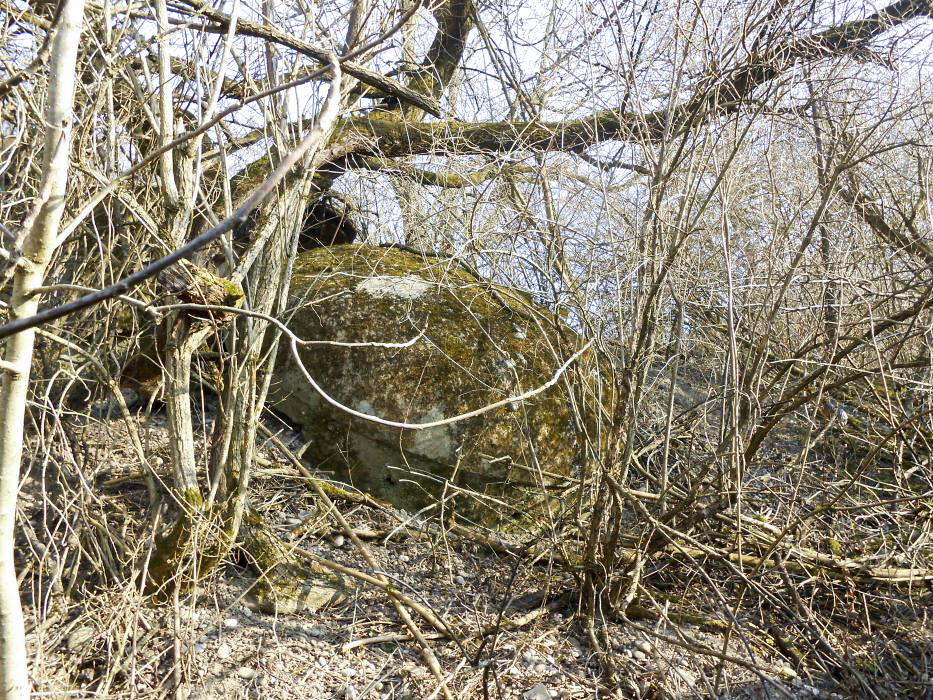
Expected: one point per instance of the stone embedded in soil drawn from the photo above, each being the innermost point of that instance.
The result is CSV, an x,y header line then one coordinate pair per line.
x,y
529,658
246,673
537,692
223,651
79,637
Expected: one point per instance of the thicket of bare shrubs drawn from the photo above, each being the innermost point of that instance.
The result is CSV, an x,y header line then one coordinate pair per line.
x,y
732,201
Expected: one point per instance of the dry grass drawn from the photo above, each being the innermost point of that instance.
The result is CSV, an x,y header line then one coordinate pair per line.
x,y
784,611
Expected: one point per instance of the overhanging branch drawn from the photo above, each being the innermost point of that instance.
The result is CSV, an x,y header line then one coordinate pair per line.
x,y
391,136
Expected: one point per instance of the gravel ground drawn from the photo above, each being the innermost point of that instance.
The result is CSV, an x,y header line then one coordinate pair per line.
x,y
104,640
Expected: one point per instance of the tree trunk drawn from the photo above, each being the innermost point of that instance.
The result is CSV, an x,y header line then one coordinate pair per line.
x,y
40,231
248,374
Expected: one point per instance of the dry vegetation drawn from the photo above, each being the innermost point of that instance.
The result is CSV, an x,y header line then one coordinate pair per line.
x,y
732,201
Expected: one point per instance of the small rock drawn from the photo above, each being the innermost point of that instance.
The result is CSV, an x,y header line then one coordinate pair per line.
x,y
685,675
537,692
217,669
199,647
223,651
231,623
644,646
246,673
528,657
79,637
540,668
338,542
459,580
639,655
404,558
351,672
349,693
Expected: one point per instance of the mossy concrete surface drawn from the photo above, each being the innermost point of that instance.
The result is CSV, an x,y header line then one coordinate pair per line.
x,y
473,345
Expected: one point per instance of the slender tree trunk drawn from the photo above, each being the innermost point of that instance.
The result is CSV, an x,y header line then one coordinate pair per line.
x,y
248,376
239,418
183,342
38,245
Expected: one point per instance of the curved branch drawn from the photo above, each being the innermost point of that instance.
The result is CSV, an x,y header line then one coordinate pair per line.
x,y
295,342
847,37
437,423
390,136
